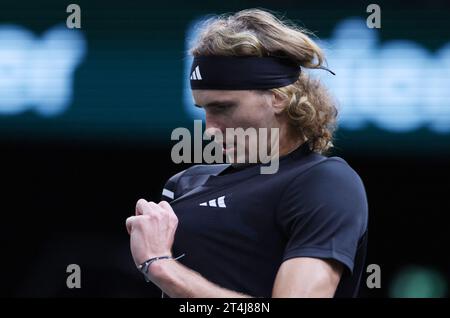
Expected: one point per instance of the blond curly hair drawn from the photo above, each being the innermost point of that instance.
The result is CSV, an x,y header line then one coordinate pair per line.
x,y
310,108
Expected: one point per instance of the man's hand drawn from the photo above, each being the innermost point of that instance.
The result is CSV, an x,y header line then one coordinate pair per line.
x,y
152,233
152,230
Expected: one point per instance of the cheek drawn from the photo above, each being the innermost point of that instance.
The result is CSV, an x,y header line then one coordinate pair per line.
x,y
259,118
256,114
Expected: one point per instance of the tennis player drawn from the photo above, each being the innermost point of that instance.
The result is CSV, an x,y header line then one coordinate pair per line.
x,y
228,230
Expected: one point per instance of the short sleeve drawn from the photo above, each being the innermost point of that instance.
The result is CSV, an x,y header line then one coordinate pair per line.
x,y
323,213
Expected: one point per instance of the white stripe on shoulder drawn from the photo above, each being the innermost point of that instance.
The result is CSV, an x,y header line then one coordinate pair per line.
x,y
168,193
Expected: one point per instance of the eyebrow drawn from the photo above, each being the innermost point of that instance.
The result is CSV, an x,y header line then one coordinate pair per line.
x,y
217,103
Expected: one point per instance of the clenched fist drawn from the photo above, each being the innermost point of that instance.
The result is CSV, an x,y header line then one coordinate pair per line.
x,y
151,230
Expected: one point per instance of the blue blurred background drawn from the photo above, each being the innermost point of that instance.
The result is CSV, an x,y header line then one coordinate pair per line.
x,y
86,116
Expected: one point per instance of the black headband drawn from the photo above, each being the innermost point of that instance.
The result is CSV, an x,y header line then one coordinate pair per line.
x,y
242,72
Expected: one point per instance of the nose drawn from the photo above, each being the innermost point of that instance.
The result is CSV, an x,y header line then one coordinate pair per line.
x,y
214,126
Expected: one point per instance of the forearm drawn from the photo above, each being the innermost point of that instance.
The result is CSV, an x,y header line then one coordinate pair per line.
x,y
176,280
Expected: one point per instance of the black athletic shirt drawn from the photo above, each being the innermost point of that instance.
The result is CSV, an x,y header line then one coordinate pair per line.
x,y
236,227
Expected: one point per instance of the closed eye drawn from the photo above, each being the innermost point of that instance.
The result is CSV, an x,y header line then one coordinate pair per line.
x,y
217,107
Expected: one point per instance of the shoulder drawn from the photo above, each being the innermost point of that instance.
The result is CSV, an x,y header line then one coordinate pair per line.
x,y
326,172
331,186
335,182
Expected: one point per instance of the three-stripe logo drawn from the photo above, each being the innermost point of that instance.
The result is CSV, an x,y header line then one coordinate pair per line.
x,y
215,203
196,76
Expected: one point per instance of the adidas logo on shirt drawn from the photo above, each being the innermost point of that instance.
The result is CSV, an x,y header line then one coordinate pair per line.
x,y
215,203
196,76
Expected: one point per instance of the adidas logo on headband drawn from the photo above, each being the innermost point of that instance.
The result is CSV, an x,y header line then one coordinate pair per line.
x,y
196,74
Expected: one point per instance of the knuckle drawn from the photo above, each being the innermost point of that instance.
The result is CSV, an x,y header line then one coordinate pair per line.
x,y
141,205
141,202
163,204
128,222
152,206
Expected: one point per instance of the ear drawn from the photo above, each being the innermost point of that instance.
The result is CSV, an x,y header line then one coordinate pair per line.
x,y
278,102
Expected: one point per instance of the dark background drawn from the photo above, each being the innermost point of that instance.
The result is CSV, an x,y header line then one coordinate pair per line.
x,y
70,181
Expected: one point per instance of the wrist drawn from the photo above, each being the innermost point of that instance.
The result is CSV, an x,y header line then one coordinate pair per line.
x,y
159,268
154,268
144,267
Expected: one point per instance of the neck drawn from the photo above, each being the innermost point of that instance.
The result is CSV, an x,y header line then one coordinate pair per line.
x,y
289,146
